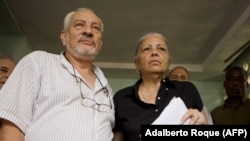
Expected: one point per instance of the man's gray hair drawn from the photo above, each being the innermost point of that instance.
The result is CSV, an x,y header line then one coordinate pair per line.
x,y
68,17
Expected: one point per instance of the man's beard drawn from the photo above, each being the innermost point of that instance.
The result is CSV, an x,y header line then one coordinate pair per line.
x,y
82,53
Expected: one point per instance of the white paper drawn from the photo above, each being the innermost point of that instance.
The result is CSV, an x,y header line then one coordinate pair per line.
x,y
172,113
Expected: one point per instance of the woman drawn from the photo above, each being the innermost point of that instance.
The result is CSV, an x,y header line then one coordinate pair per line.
x,y
143,102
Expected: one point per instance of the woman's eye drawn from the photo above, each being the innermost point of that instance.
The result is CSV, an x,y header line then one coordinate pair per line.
x,y
146,48
162,48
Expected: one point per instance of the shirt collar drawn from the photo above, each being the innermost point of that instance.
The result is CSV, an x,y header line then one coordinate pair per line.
x,y
165,81
66,64
242,102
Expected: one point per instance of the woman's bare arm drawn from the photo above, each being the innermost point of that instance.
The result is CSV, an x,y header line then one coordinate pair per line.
x,y
118,136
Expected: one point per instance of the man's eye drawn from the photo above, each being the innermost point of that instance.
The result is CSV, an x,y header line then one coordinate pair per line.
x,y
78,24
241,79
97,28
3,70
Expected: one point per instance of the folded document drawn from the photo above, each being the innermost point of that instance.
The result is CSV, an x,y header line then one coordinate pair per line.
x,y
172,113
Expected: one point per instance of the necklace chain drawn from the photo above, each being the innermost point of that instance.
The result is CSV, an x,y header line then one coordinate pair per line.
x,y
143,95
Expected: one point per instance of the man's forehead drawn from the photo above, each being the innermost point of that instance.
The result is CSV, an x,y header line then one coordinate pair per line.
x,y
236,75
87,16
5,61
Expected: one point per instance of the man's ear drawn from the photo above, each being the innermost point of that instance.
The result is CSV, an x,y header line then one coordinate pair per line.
x,y
63,37
101,43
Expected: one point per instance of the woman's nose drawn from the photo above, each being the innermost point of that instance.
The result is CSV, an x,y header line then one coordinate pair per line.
x,y
154,52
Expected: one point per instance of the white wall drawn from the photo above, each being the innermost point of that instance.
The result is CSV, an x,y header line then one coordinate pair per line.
x,y
14,45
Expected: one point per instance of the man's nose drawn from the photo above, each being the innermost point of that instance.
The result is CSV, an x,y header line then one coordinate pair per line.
x,y
236,82
87,30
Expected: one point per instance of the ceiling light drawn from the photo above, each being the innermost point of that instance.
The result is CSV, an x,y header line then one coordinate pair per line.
x,y
246,66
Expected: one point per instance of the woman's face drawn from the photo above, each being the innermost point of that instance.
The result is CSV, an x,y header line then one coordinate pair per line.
x,y
153,56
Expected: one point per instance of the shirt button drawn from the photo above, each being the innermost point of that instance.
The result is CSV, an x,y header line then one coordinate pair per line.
x,y
158,98
166,89
156,110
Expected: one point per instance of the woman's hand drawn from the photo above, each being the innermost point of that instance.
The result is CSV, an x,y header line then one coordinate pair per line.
x,y
195,117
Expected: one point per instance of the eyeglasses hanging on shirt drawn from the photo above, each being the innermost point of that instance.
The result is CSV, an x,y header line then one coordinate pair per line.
x,y
92,103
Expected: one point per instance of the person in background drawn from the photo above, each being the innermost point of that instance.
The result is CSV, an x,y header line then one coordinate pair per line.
x,y
7,65
236,107
143,102
62,97
180,73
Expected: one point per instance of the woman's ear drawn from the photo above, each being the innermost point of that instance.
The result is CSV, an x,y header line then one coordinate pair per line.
x,y
136,66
